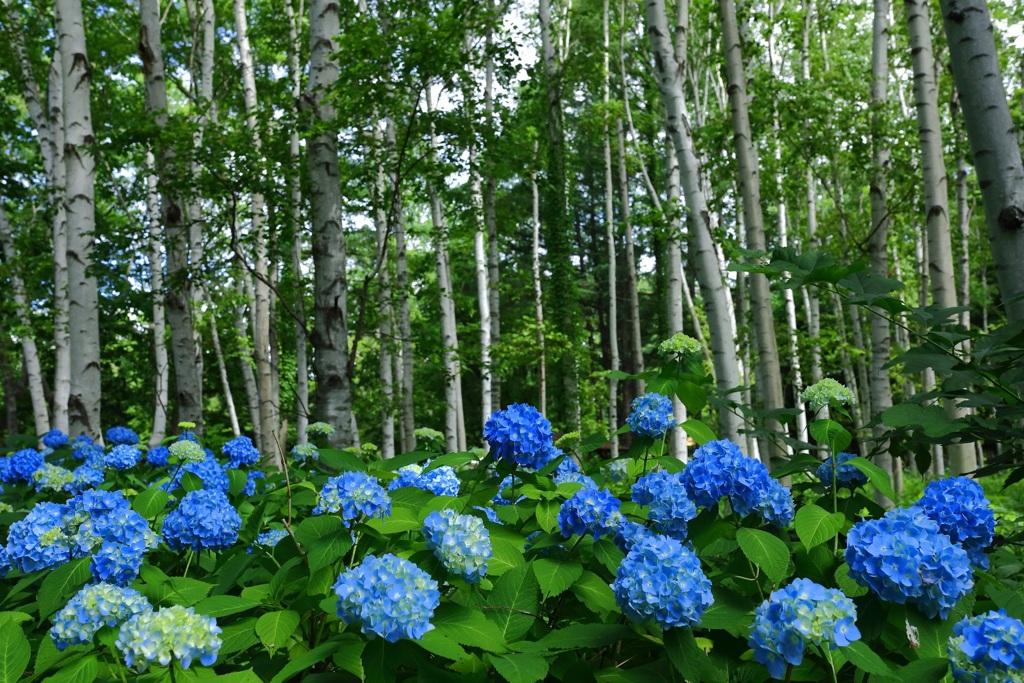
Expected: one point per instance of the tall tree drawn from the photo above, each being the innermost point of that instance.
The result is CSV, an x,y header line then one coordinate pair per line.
x,y
610,238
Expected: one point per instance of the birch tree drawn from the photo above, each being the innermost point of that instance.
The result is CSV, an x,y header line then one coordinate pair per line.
x,y
610,239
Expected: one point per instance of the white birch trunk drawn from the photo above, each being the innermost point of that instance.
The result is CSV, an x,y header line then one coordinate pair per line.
x,y
222,370
993,138
161,375
252,399
940,255
676,287
406,414
716,297
610,239
491,219
538,293
84,402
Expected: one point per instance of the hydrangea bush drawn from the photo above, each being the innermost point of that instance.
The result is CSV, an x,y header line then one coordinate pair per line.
x,y
537,559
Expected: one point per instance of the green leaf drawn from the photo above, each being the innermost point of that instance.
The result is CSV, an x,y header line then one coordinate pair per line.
x,y
814,525
468,626
505,555
932,420
442,646
341,460
186,592
591,443
238,636
305,661
514,597
61,583
84,670
453,460
323,552
577,636
698,431
687,657
801,462
555,576
765,551
832,434
237,479
729,612
151,502
315,528
547,514
928,670
850,587
520,668
276,628
15,653
862,657
1011,601
876,475
693,396
253,523
595,593
224,605
348,654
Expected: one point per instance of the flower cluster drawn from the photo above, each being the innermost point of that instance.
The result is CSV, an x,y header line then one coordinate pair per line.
x,y
680,344
319,429
305,451
157,457
93,607
208,470
441,481
184,450
903,557
173,631
240,451
461,542
520,434
40,540
53,478
122,436
963,513
115,535
428,439
589,511
250,482
988,648
353,494
651,415
54,439
123,457
20,466
670,508
662,580
719,469
847,476
204,520
85,477
827,392
269,539
802,613
391,596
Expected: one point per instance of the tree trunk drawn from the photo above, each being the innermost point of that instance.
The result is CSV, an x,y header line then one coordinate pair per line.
x,y
491,218
881,391
940,256
610,240
715,295
84,402
161,375
252,398
222,370
994,144
188,384
538,294
406,415
674,301
760,296
28,344
330,281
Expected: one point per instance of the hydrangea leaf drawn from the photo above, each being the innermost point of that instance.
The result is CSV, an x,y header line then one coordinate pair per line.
x,y
595,593
521,668
83,670
687,657
547,515
343,460
451,460
579,636
729,612
15,653
507,555
237,636
927,670
1011,601
862,657
555,576
814,525
314,528
693,396
515,596
305,661
151,502
698,431
830,433
847,584
766,551
61,583
467,626
275,628
442,646
224,605
876,475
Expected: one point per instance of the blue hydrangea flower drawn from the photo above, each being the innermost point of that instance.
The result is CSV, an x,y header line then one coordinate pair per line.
x,y
204,520
40,539
209,470
250,482
93,607
21,466
707,476
777,506
661,580
269,539
670,508
520,434
566,467
187,434
617,471
123,457
461,542
589,511
5,562
240,451
54,438
53,478
651,415
575,478
441,481
988,648
904,558
963,513
86,477
353,494
122,436
391,596
506,489
847,476
305,451
800,614
157,457
116,536
173,631
628,533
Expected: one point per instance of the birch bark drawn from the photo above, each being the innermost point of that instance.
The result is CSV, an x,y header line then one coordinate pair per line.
x,y
161,374
610,240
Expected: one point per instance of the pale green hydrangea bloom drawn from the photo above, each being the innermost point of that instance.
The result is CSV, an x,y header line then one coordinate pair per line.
x,y
172,632
680,345
51,477
187,451
319,429
827,392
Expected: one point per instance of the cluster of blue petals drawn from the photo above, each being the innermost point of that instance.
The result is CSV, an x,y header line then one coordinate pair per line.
x,y
661,580
904,558
204,520
441,481
240,452
55,439
305,451
963,513
20,466
847,476
269,539
719,468
122,436
172,632
796,616
390,596
988,648
521,435
461,542
670,507
589,511
353,494
92,608
40,540
157,457
122,457
651,415
251,478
